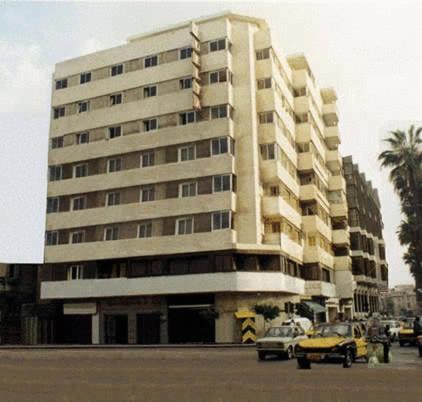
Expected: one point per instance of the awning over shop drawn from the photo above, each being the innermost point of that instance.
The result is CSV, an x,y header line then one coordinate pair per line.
x,y
314,307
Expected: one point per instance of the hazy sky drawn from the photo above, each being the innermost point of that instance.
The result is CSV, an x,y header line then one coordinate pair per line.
x,y
369,52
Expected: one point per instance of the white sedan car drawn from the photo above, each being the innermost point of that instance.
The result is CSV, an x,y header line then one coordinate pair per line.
x,y
279,341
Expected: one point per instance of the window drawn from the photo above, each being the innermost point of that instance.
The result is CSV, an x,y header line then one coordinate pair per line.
x,y
150,91
217,45
220,220
185,83
147,193
218,76
264,83
53,205
111,233
184,226
185,53
275,227
150,61
82,138
312,241
114,165
147,159
58,112
221,183
75,272
263,54
114,132
187,117
188,189
219,112
60,84
117,70
57,142
274,191
268,151
115,99
85,77
56,173
187,153
78,203
112,199
151,124
77,237
83,106
219,146
145,229
80,170
52,238
266,117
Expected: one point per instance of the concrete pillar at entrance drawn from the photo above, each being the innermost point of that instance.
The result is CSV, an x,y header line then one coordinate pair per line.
x,y
95,329
225,327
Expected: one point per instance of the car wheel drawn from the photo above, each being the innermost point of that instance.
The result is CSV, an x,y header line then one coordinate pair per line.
x,y
289,354
261,355
303,364
348,359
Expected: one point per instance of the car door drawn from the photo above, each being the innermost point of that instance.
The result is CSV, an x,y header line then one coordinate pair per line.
x,y
360,342
299,335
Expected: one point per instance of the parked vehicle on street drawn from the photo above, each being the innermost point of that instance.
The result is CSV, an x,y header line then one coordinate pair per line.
x,y
334,343
280,341
406,334
303,322
394,328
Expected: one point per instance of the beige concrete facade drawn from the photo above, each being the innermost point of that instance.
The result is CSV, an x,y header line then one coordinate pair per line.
x,y
200,155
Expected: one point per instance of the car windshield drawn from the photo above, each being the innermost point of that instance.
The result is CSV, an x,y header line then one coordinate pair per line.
x,y
279,332
336,330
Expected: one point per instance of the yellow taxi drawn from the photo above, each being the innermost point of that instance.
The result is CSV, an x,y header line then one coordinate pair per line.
x,y
406,335
333,343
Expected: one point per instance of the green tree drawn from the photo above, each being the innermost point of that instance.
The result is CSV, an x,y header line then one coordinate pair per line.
x,y
268,311
403,157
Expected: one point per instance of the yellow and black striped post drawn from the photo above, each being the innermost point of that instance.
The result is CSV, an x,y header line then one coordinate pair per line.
x,y
247,325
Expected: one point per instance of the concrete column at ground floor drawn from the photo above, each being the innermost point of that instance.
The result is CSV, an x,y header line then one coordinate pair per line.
x,y
95,331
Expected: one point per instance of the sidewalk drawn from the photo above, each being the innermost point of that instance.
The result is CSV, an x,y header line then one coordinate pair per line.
x,y
159,346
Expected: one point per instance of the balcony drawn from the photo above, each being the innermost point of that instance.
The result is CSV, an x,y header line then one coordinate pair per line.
x,y
336,183
302,104
343,263
141,176
334,161
309,192
320,288
278,207
364,279
313,223
191,243
341,237
330,114
307,161
332,136
170,285
273,171
162,137
287,245
314,254
269,133
338,210
142,210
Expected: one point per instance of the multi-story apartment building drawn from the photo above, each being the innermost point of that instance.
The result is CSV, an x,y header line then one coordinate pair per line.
x,y
193,173
18,284
400,301
370,269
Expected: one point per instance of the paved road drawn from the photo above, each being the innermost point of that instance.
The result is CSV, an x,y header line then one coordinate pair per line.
x,y
198,375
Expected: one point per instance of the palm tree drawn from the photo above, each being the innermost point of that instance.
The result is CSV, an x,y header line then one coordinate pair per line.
x,y
404,159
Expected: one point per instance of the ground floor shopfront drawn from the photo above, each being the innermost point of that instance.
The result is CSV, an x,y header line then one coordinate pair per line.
x,y
187,318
